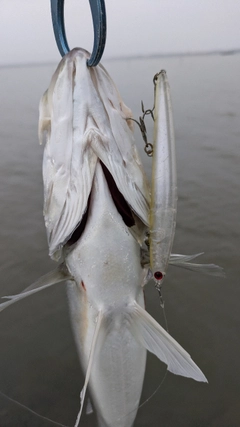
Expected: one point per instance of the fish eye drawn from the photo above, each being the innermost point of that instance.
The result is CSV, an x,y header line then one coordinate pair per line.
x,y
158,275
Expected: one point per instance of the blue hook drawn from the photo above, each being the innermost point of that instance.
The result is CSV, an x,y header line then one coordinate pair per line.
x,y
99,26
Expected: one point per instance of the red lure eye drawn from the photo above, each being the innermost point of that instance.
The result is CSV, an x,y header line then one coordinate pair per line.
x,y
158,275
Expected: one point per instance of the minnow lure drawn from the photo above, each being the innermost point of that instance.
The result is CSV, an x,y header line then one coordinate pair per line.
x,y
163,208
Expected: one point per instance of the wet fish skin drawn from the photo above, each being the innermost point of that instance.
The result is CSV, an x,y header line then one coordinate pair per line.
x,y
105,261
112,329
109,278
86,126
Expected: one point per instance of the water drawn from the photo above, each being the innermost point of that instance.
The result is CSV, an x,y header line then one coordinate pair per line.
x,y
39,364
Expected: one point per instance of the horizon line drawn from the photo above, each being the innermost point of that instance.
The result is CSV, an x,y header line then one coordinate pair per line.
x,y
226,52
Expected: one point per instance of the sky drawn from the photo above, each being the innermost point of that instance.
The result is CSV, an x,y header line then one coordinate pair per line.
x,y
135,27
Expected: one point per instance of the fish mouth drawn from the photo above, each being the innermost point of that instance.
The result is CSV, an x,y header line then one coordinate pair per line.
x,y
119,201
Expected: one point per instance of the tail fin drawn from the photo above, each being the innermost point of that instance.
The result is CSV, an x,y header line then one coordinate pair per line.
x,y
94,345
58,275
183,261
155,339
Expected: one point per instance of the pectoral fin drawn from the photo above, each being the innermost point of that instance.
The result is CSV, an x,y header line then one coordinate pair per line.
x,y
155,339
183,261
58,275
94,347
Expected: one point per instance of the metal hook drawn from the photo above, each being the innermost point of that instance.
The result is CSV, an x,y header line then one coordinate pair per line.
x,y
99,25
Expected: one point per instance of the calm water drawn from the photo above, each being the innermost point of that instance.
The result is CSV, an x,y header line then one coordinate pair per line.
x,y
38,359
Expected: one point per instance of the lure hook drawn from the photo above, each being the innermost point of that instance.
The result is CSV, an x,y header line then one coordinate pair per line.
x,y
99,26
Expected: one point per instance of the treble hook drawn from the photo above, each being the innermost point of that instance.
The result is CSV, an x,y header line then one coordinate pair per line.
x,y
99,25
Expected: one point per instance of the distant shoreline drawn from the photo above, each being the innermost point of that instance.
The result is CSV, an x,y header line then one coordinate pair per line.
x,y
227,52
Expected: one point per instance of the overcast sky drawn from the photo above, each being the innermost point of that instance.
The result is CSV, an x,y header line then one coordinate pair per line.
x,y
135,27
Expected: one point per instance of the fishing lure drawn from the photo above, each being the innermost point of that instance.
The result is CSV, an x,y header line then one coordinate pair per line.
x,y
163,203
163,208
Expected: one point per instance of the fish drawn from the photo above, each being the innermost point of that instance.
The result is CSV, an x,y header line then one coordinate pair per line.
x,y
96,211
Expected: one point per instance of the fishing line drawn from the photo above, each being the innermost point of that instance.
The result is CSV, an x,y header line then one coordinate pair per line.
x,y
155,391
165,319
149,398
31,410
162,304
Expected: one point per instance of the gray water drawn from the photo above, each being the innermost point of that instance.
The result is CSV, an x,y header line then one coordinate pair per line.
x,y
38,360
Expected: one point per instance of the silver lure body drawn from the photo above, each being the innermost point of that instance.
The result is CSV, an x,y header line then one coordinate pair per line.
x,y
163,207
